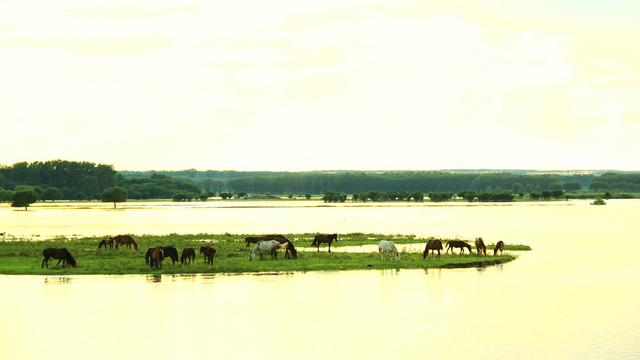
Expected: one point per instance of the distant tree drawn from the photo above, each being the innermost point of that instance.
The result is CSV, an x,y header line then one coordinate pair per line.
x,y
81,196
241,195
572,186
307,196
517,188
51,193
557,193
5,195
440,196
226,195
418,196
115,194
24,198
182,195
534,195
203,196
607,195
469,195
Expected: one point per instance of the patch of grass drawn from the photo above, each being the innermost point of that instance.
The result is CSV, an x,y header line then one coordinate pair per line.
x,y
232,256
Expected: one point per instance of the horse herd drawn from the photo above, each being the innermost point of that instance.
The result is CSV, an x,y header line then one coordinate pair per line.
x,y
385,247
269,244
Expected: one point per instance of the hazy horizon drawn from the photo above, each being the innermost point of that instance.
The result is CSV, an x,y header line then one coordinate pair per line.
x,y
296,86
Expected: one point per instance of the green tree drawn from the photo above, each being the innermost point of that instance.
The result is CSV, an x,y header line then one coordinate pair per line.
x,y
573,186
51,193
5,195
23,198
114,194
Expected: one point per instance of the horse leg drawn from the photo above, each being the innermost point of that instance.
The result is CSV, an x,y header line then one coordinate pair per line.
x,y
329,247
45,261
59,263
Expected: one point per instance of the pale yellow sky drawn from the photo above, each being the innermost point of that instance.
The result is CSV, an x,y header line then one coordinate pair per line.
x,y
301,85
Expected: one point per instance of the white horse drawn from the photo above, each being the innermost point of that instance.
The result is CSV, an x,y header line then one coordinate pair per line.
x,y
385,246
265,245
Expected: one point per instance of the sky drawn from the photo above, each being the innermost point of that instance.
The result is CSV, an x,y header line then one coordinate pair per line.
x,y
291,85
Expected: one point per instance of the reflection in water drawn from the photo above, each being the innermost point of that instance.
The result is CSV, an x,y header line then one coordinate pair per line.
x,y
56,280
154,278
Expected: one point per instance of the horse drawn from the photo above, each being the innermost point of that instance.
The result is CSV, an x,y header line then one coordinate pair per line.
x,y
288,247
324,238
187,255
433,245
499,247
270,246
480,246
170,252
127,240
157,255
208,253
385,247
458,244
255,239
60,254
106,241
252,239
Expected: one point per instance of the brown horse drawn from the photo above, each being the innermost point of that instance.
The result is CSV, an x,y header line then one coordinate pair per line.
x,y
324,238
254,239
157,255
187,255
60,254
127,240
433,245
499,247
106,242
480,246
208,253
458,244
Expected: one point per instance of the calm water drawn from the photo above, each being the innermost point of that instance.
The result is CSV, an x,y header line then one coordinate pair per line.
x,y
576,296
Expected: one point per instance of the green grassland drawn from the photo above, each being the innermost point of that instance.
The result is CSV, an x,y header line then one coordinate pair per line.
x,y
232,255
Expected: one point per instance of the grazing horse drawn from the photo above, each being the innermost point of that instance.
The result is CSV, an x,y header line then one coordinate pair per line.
x,y
499,247
254,239
208,253
385,247
480,246
324,238
188,254
106,242
458,244
157,255
270,246
60,254
127,240
433,245
170,252
288,247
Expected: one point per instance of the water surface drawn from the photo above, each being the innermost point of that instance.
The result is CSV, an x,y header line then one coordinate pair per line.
x,y
576,295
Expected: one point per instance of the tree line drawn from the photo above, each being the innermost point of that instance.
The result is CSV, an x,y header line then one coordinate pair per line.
x,y
352,183
70,180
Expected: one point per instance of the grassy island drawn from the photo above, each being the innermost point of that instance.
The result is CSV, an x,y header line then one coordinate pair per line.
x,y
25,257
